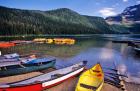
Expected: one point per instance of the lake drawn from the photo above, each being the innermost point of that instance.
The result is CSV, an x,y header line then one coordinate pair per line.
x,y
93,48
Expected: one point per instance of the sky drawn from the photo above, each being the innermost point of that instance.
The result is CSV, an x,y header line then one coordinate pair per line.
x,y
102,8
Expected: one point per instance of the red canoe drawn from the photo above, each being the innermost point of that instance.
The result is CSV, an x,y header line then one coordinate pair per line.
x,y
6,44
44,81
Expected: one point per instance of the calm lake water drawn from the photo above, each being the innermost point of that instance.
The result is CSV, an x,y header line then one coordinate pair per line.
x,y
93,48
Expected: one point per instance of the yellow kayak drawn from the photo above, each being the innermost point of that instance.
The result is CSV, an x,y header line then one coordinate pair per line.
x,y
91,80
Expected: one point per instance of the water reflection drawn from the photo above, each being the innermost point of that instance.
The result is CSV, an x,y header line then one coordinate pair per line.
x,y
128,66
91,49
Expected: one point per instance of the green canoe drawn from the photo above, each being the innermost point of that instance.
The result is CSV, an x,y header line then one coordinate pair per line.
x,y
25,68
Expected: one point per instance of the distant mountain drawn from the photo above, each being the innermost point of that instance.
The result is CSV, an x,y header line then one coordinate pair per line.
x,y
129,15
59,21
129,20
132,13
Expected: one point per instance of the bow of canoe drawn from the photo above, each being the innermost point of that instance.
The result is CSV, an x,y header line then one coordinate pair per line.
x,y
91,80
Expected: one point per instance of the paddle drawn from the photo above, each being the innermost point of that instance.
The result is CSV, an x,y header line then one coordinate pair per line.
x,y
118,85
107,79
111,69
114,84
111,82
115,74
114,78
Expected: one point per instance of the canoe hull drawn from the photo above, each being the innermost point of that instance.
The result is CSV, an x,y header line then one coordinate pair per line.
x,y
35,87
61,79
23,70
44,84
100,87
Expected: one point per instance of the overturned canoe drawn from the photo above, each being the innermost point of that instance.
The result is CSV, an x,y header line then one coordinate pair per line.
x,y
39,40
37,60
24,60
9,57
91,80
13,55
6,44
19,42
62,41
15,61
46,80
25,68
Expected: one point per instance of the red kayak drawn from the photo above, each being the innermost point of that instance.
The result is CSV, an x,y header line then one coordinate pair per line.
x,y
45,81
6,44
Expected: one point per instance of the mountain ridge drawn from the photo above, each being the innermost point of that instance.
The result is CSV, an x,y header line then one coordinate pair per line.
x,y
58,21
129,18
129,14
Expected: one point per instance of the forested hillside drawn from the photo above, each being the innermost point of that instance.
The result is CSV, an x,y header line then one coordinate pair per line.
x,y
59,21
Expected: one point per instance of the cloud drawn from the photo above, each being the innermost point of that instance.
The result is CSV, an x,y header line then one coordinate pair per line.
x,y
138,2
125,0
107,12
